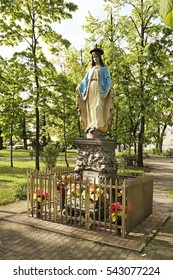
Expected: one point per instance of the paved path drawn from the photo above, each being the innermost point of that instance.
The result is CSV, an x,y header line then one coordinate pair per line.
x,y
162,170
18,242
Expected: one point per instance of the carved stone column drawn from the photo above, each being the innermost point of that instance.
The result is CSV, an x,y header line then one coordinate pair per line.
x,y
96,155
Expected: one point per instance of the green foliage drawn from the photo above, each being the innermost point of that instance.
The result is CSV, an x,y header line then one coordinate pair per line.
x,y
31,22
41,13
170,195
49,155
166,11
168,153
130,160
137,52
21,191
141,70
155,151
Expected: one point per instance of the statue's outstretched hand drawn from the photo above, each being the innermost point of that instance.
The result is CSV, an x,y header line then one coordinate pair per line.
x,y
112,94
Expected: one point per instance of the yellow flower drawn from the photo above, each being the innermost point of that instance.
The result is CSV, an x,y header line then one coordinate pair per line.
x,y
113,217
119,213
37,197
78,192
63,177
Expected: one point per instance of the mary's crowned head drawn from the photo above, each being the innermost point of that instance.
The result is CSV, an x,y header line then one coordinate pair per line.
x,y
96,57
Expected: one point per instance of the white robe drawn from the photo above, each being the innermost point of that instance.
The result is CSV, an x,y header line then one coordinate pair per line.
x,y
95,110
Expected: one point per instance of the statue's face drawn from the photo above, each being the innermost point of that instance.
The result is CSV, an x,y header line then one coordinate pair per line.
x,y
96,58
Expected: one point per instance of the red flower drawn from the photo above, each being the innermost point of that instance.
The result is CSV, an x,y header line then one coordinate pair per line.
x,y
41,193
115,206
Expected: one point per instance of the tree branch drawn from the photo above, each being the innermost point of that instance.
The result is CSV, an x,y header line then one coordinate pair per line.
x,y
135,26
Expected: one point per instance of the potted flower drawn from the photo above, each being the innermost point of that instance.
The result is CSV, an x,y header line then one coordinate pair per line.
x,y
74,192
40,197
116,212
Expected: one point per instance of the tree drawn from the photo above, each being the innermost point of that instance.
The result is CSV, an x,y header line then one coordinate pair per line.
x,y
140,31
161,108
75,66
30,21
2,63
130,79
49,155
64,114
11,109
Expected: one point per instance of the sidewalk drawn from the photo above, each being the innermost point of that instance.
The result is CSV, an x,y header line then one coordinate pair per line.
x,y
22,237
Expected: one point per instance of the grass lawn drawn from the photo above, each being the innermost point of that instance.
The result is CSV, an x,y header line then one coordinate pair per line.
x,y
16,153
26,153
11,178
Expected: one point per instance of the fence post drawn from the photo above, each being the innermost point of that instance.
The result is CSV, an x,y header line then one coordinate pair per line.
x,y
28,190
31,194
87,204
123,209
55,197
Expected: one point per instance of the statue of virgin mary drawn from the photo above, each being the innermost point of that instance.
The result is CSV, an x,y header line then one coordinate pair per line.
x,y
95,97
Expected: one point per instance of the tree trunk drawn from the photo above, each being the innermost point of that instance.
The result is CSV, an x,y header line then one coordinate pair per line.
x,y
158,136
24,136
161,138
44,139
161,145
37,149
11,146
65,143
140,142
37,116
1,140
135,149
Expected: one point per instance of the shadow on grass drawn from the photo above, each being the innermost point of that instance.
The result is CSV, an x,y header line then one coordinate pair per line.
x,y
12,176
6,181
4,170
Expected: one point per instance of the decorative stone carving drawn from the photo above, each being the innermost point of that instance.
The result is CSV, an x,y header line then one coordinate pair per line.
x,y
96,155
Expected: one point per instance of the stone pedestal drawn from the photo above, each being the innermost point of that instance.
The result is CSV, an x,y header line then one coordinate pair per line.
x,y
97,156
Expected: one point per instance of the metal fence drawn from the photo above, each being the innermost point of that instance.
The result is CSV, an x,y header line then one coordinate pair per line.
x,y
61,197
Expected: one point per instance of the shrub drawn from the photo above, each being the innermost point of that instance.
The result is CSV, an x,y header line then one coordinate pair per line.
x,y
21,191
129,160
155,151
49,155
168,153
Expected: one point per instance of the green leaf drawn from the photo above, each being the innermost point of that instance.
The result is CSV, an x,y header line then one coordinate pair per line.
x,y
169,19
166,12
